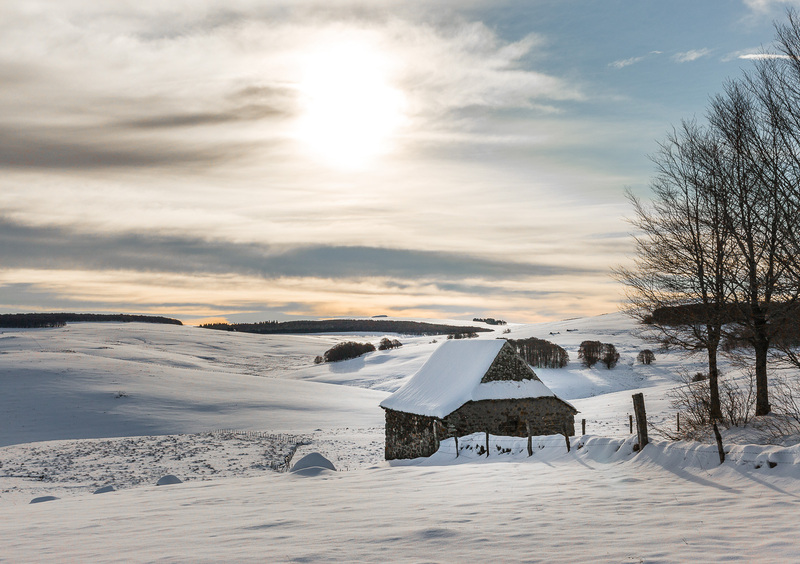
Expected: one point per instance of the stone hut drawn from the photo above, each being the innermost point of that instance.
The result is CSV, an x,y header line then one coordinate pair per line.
x,y
471,386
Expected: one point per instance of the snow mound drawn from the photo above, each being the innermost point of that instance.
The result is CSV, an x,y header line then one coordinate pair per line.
x,y
44,498
168,480
104,489
313,464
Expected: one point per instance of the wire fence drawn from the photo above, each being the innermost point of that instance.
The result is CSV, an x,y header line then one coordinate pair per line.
x,y
702,455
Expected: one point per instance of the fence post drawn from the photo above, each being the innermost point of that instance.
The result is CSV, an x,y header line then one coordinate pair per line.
x,y
487,444
630,423
678,415
566,437
583,426
451,430
719,443
530,445
641,419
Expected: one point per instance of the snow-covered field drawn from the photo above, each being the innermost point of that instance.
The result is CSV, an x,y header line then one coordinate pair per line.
x,y
91,405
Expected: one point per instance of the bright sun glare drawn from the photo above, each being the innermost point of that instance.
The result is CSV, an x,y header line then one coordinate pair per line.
x,y
350,109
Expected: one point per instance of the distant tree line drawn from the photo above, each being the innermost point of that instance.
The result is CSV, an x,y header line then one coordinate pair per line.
x,y
463,335
489,320
38,320
540,353
718,248
343,326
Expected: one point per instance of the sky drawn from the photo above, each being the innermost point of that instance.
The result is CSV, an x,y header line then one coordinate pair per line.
x,y
248,160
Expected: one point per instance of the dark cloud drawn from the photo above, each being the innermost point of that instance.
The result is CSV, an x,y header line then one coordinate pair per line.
x,y
251,112
62,248
70,151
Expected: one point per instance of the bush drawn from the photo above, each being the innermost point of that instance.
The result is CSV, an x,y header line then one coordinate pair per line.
x,y
318,360
589,352
347,350
540,353
610,355
646,356
388,344
692,399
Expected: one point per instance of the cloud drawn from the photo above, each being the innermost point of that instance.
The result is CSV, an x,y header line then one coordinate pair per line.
x,y
62,248
689,56
763,56
764,6
622,63
223,67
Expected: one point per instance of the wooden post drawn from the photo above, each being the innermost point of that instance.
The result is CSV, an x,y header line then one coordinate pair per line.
x,y
719,444
487,444
530,445
630,423
583,426
641,419
452,431
678,415
566,437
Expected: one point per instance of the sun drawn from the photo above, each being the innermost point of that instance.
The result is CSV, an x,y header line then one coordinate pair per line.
x,y
350,110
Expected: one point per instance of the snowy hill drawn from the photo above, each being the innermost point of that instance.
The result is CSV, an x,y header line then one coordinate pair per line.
x,y
91,405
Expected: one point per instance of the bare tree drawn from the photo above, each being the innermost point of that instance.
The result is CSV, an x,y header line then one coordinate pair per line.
x,y
753,171
678,284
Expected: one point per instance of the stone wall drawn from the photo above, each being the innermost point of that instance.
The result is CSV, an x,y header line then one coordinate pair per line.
x,y
408,435
547,416
508,365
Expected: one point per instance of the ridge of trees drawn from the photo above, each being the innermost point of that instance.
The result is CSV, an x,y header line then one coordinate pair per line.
x,y
345,326
38,320
718,248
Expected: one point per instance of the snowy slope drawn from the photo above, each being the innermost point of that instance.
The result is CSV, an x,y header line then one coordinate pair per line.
x,y
156,392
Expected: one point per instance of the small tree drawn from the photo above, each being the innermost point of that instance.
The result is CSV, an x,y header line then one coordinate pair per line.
x,y
646,356
388,344
610,355
589,352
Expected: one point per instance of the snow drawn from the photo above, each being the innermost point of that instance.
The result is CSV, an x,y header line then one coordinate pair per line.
x,y
96,405
452,376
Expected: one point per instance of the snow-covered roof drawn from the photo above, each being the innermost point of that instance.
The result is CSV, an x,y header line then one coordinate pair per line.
x,y
452,376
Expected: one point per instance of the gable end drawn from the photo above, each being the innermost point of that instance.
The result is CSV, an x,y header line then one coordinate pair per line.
x,y
508,365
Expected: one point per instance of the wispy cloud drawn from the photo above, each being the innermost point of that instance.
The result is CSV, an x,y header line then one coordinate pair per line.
x,y
762,56
622,63
764,6
689,56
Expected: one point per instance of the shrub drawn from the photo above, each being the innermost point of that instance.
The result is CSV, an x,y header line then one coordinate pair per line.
x,y
692,399
347,350
610,355
318,360
589,352
388,344
646,356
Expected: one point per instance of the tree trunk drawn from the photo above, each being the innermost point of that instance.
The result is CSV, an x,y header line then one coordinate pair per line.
x,y
715,409
762,385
